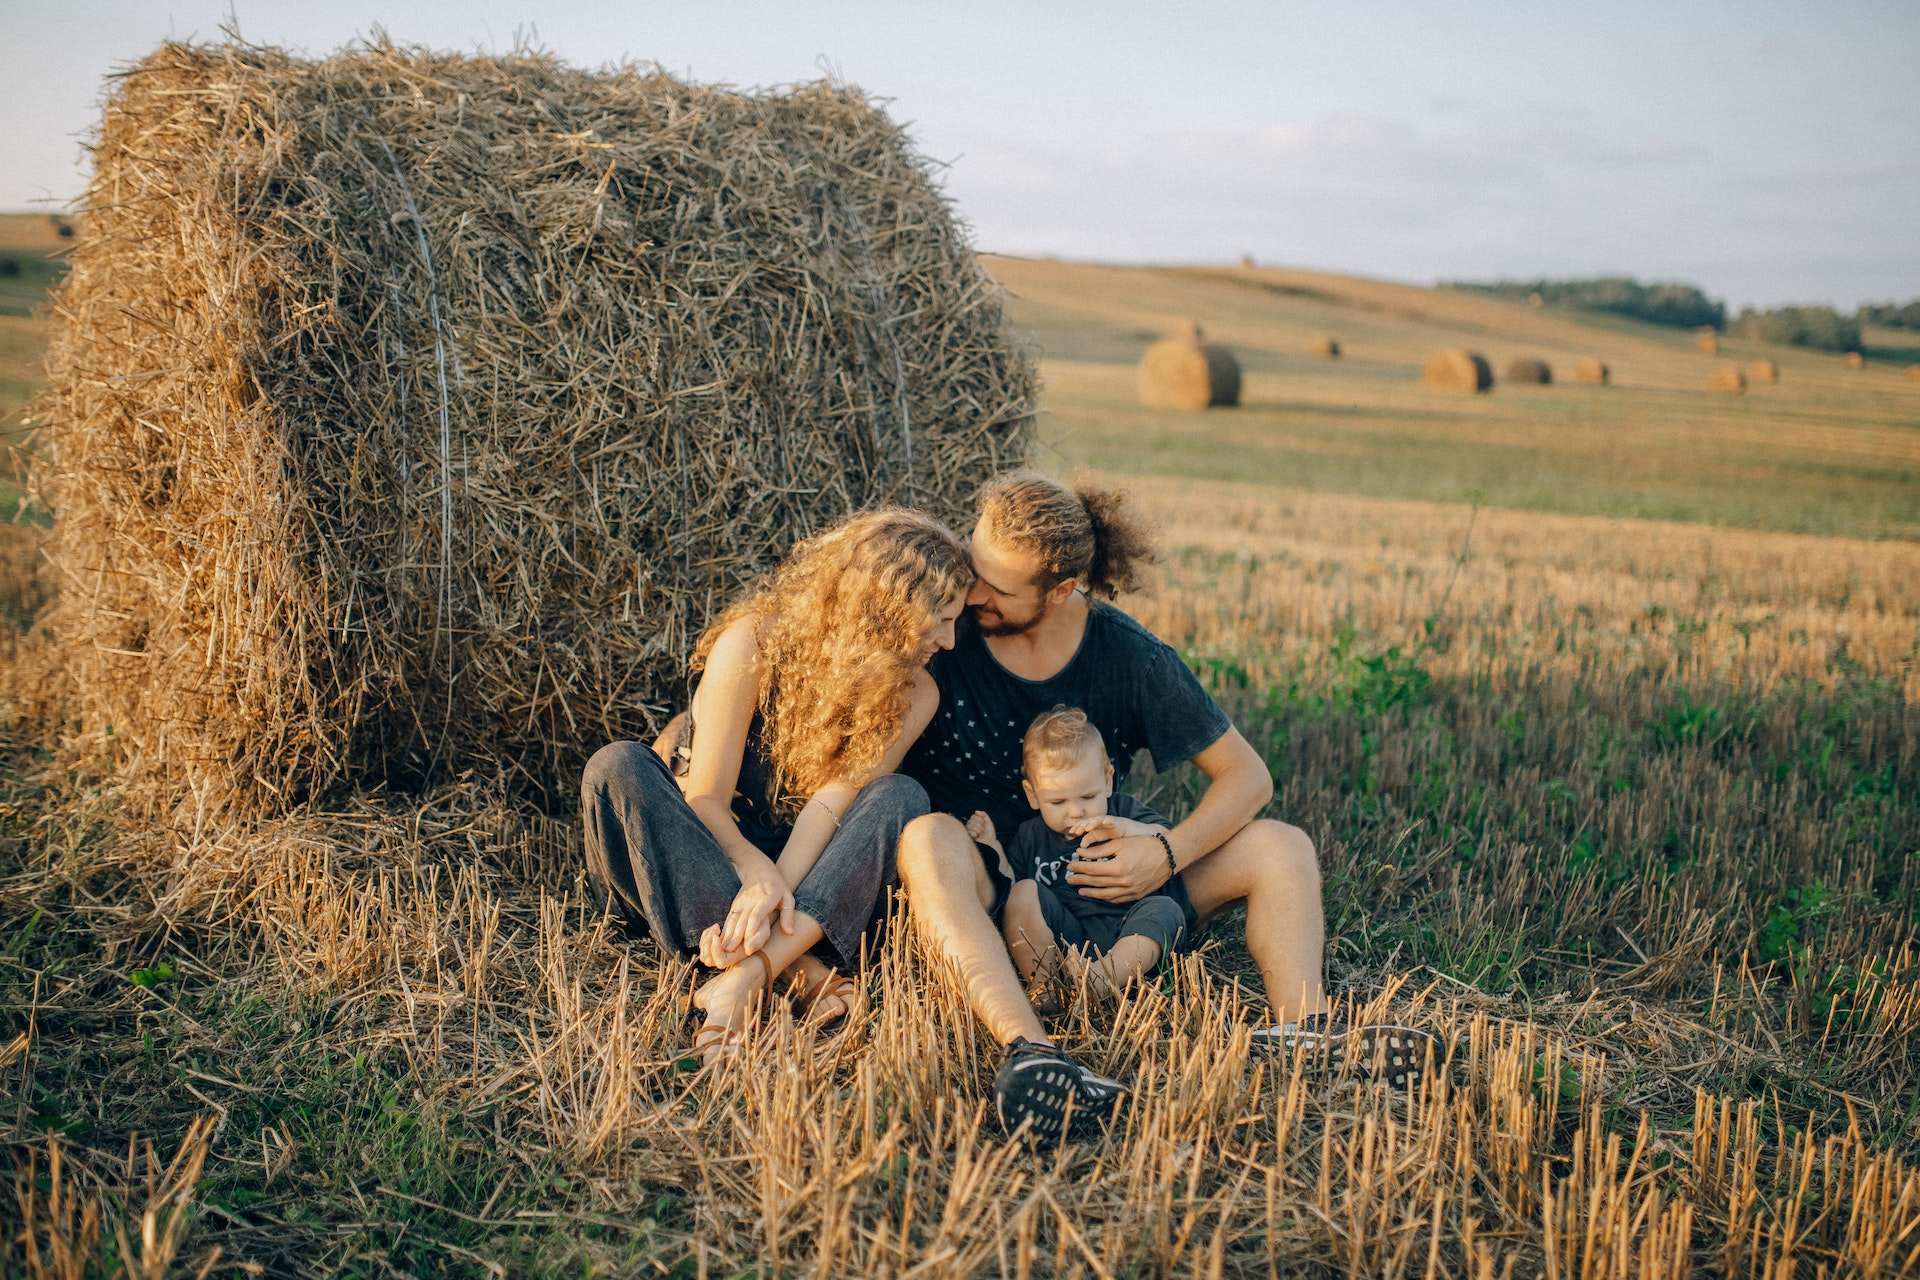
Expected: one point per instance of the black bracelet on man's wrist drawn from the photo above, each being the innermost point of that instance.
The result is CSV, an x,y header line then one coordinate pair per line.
x,y
1173,868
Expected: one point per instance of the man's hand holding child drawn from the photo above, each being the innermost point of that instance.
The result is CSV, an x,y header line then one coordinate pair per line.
x,y
1120,859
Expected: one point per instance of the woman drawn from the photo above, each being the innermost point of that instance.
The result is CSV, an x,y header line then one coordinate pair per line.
x,y
773,848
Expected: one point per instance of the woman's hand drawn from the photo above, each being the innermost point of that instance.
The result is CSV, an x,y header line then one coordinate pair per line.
x,y
763,896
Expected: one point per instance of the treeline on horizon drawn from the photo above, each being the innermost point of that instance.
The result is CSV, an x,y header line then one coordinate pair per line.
x,y
1688,306
1683,305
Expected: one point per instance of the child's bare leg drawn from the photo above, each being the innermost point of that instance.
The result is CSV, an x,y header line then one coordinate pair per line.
x,y
1126,960
1029,940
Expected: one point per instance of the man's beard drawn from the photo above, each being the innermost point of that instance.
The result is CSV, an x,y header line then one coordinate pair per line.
x,y
1003,627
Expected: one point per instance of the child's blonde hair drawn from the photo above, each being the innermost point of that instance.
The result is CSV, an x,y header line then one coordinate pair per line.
x,y
1057,739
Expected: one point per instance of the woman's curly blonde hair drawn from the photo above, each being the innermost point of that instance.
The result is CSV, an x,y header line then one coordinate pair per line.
x,y
840,624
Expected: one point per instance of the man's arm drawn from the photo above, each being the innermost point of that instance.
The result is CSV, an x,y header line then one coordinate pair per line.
x,y
1238,787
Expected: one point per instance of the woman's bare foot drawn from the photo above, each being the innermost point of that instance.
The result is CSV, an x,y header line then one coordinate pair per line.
x,y
823,993
727,998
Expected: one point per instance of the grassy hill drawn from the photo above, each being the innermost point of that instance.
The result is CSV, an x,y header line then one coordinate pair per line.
x,y
1825,450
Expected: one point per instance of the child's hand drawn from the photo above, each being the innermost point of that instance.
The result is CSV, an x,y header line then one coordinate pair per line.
x,y
1096,831
980,828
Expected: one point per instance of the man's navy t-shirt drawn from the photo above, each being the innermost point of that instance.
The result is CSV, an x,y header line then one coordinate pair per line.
x,y
1132,685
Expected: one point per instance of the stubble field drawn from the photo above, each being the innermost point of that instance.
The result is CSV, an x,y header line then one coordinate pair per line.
x,y
1627,811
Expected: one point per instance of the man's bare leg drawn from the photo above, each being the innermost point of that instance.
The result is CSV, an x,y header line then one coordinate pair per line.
x,y
951,892
1272,867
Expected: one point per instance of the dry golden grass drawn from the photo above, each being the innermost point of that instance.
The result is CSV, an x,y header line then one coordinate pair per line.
x,y
1691,601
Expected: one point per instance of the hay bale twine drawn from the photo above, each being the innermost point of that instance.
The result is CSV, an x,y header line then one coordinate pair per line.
x,y
1537,372
1855,360
1184,371
1459,371
1326,347
1709,342
1727,378
411,414
1763,371
1592,370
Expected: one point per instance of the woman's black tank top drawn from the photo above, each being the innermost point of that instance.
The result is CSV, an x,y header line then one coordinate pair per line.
x,y
765,828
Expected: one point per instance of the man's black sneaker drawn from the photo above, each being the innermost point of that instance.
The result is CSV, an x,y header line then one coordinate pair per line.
x,y
1398,1055
1040,1086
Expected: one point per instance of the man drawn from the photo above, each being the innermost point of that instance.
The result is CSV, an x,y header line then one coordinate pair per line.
x,y
1035,637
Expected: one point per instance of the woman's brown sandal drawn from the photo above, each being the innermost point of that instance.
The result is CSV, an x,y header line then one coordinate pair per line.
x,y
849,991
715,1042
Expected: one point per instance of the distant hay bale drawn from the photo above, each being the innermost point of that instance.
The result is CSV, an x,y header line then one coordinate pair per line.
x,y
1457,370
1709,342
1184,371
411,414
1763,371
1536,301
1913,372
1592,370
1855,360
1246,262
1728,378
1326,347
1538,372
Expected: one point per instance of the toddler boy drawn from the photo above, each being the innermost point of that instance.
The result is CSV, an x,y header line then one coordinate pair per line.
x,y
1050,926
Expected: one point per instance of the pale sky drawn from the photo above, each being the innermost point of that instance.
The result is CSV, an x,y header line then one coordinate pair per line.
x,y
1767,152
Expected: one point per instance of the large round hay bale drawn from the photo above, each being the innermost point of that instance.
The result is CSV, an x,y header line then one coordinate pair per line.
x,y
1728,378
1537,372
1763,371
1855,360
1913,372
1184,371
1708,342
1457,370
1592,370
411,414
1326,346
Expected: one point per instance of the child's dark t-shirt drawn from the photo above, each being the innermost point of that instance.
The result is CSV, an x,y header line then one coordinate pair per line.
x,y
1038,852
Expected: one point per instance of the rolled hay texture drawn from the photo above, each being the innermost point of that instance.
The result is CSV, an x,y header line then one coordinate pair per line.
x,y
1709,342
1185,371
1591,370
1728,378
1763,371
1458,370
1326,347
411,414
1855,360
1538,372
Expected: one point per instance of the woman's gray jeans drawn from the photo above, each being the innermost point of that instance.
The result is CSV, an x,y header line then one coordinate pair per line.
x,y
654,864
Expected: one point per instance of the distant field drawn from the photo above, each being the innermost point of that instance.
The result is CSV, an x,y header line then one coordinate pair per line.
x,y
30,247
1826,450
30,264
